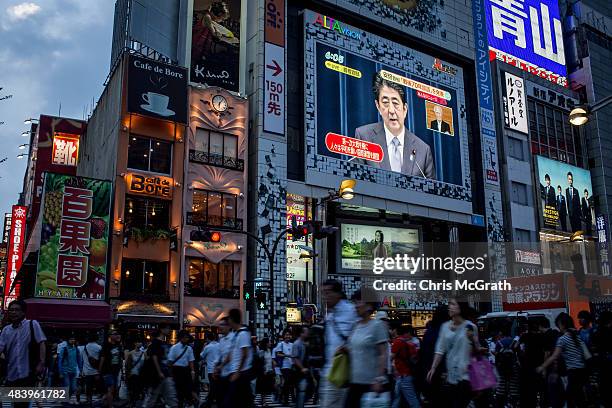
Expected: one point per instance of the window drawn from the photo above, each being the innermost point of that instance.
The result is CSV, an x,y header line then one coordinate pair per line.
x,y
521,235
519,193
140,277
552,135
214,280
149,155
147,212
218,149
214,208
515,147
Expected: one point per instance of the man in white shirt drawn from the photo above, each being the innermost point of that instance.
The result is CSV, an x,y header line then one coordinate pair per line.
x,y
240,361
15,344
339,323
210,357
285,351
403,151
180,360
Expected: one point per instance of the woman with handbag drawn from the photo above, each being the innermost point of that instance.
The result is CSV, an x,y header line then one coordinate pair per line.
x,y
575,354
457,341
367,348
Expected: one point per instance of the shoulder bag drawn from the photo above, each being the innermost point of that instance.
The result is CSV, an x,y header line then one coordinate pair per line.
x,y
340,372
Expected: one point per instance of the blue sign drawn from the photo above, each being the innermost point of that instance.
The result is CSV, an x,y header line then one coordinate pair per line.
x,y
528,34
478,220
483,67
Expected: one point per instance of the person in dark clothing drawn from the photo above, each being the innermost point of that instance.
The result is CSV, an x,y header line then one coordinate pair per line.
x,y
532,346
562,209
574,210
548,192
160,380
111,361
431,391
602,354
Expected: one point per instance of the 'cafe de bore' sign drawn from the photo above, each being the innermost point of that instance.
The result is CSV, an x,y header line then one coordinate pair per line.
x,y
152,186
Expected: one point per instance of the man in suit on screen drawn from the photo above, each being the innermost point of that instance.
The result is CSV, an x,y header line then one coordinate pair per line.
x,y
573,204
548,192
562,209
404,152
438,124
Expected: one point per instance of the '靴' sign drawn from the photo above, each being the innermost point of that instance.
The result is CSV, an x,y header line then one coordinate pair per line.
x,y
354,147
15,253
157,186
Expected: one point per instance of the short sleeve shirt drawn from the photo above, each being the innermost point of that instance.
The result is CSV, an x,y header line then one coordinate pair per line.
x,y
15,342
571,350
160,349
182,358
93,350
241,340
364,350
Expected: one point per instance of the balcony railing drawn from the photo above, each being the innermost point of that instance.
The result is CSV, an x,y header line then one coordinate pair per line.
x,y
214,159
202,220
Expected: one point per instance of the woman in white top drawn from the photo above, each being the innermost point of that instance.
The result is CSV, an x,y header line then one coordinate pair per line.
x,y
265,381
133,365
457,340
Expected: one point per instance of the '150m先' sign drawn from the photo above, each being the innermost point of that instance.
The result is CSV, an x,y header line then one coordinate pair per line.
x,y
157,186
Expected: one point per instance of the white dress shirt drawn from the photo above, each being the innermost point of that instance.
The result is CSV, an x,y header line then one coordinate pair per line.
x,y
395,164
181,359
211,355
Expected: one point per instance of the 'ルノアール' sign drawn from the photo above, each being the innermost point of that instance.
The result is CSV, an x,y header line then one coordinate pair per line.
x,y
157,186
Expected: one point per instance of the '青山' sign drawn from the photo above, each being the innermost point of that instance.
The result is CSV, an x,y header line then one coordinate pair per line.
x,y
15,253
156,186
354,147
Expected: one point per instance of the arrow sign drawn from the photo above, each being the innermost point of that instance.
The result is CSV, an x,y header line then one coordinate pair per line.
x,y
276,68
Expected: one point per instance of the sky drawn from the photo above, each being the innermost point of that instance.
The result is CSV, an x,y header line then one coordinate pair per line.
x,y
52,52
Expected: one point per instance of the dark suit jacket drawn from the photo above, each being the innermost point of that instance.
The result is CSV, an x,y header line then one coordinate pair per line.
x,y
573,204
561,207
549,196
445,126
586,210
375,133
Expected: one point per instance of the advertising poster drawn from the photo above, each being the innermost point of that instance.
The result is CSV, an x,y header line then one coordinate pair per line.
x,y
74,238
566,196
274,64
362,243
156,89
394,113
15,253
297,269
535,292
528,35
215,43
515,104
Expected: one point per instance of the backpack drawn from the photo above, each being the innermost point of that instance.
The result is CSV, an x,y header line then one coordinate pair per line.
x,y
505,359
93,362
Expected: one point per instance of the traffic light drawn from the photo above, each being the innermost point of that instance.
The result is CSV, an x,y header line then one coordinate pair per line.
x,y
205,236
319,231
299,231
261,299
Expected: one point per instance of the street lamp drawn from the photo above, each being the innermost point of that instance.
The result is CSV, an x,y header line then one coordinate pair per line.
x,y
22,155
581,114
23,146
29,121
26,133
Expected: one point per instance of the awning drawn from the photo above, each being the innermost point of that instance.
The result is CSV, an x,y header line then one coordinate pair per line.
x,y
69,313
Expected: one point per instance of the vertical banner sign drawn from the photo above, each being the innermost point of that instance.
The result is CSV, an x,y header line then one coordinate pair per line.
x,y
601,223
274,67
7,227
515,108
485,96
15,253
74,239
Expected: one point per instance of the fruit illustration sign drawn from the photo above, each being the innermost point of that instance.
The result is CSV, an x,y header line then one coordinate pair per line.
x,y
74,240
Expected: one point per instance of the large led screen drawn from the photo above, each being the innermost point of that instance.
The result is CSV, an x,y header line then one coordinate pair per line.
x,y
566,196
360,244
383,110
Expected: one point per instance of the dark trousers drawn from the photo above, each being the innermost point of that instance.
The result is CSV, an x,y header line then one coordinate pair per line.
x,y
212,390
238,392
287,388
576,380
22,382
355,392
183,384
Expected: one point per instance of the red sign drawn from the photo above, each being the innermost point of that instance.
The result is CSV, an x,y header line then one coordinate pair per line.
x,y
354,147
432,98
65,150
535,292
15,253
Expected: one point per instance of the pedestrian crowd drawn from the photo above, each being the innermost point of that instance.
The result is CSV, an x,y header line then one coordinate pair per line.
x,y
355,357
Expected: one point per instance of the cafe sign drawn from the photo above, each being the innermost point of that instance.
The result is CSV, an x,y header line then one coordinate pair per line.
x,y
152,186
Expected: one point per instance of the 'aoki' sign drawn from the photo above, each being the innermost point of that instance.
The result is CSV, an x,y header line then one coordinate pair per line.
x,y
527,34
15,253
515,108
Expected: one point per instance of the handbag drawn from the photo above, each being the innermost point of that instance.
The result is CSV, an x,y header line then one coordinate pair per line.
x,y
482,376
340,372
376,400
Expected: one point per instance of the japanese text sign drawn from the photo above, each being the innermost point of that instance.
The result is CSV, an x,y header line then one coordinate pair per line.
x,y
74,240
515,104
527,34
157,186
15,253
65,150
535,292
354,147
274,67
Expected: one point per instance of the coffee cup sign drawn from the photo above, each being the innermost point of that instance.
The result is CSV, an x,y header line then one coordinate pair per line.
x,y
157,186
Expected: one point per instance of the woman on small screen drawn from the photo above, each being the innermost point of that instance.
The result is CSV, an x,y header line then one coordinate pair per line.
x,y
380,250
